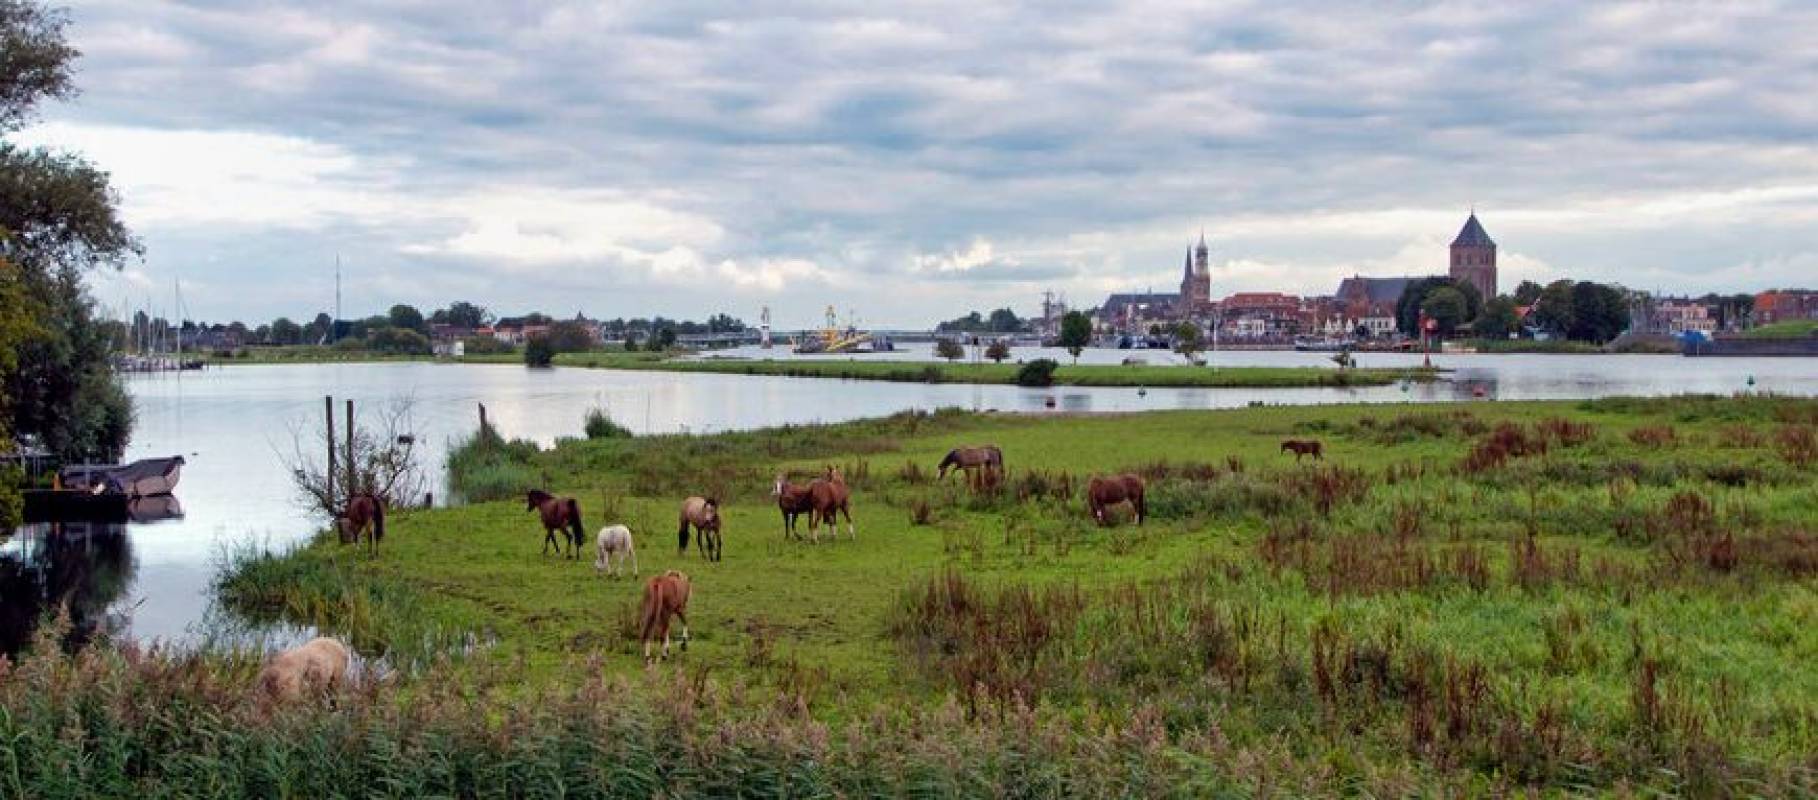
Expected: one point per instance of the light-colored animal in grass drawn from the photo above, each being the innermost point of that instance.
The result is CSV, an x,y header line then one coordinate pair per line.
x,y
703,515
983,465
614,540
665,596
318,665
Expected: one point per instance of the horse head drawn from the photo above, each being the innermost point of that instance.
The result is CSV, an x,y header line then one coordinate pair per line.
x,y
535,498
782,482
951,461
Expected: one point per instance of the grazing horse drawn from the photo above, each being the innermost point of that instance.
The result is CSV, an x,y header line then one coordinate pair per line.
x,y
318,665
703,513
614,540
981,464
559,514
365,514
665,595
1104,492
792,499
830,498
1303,447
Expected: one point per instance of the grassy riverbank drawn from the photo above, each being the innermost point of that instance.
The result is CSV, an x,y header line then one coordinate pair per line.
x,y
1593,595
967,372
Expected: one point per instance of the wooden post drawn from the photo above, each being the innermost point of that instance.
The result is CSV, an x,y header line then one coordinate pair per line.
x,y
328,412
482,419
353,478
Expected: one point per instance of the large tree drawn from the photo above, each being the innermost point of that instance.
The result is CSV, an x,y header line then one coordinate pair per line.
x,y
1414,297
1498,319
462,314
58,221
1445,306
1599,312
1075,333
407,317
1553,309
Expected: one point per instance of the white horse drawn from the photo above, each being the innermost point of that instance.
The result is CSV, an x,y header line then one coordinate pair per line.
x,y
614,539
318,665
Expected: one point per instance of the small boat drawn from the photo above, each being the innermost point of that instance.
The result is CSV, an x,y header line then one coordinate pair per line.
x,y
142,478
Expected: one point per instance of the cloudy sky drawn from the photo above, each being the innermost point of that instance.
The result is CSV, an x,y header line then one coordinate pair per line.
x,y
684,158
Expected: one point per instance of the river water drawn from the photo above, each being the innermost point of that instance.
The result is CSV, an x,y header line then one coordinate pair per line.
x,y
233,424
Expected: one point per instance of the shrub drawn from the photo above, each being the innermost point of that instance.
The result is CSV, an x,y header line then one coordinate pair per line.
x,y
998,351
949,349
486,467
539,352
1655,436
599,425
1798,445
483,346
1039,372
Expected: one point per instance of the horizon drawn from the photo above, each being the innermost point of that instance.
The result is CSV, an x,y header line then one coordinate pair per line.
x,y
916,165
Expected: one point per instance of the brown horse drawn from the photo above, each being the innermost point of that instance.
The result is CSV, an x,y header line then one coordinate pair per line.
x,y
703,514
665,595
365,514
982,464
1104,492
559,514
1303,447
792,499
830,498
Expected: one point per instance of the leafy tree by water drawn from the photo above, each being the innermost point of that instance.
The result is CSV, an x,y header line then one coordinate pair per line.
x,y
998,351
539,352
1188,341
1553,308
1444,305
1413,301
1599,312
1075,333
1498,319
1039,372
1527,293
569,336
461,314
284,331
408,318
949,349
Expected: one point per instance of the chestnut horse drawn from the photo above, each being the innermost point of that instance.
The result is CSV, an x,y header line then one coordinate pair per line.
x,y
792,499
365,514
703,513
559,514
1303,447
982,464
1104,492
665,595
830,498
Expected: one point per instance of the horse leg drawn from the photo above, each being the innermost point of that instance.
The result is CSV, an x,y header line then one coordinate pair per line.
x,y
548,537
684,618
631,550
851,530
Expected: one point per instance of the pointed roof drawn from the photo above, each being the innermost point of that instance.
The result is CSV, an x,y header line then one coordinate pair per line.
x,y
1188,265
1472,235
1202,240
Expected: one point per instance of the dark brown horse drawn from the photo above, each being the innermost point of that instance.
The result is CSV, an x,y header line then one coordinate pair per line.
x,y
982,464
559,514
830,498
1303,447
703,514
1104,492
665,596
793,500
365,514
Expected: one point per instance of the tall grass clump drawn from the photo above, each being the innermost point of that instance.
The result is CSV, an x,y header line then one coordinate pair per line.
x,y
599,425
486,467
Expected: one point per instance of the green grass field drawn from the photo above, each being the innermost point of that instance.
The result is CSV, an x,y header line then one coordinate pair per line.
x,y
1602,594
967,372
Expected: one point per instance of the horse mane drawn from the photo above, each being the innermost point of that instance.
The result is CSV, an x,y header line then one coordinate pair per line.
x,y
952,457
538,496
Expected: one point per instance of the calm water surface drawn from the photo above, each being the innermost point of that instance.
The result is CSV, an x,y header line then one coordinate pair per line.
x,y
232,423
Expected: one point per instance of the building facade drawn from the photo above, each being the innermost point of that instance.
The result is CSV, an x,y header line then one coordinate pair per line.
x,y
1781,305
1474,258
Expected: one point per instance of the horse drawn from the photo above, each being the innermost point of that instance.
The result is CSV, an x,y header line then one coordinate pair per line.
x,y
1104,492
365,514
831,498
981,463
559,514
1303,447
665,595
614,540
703,513
792,499
319,664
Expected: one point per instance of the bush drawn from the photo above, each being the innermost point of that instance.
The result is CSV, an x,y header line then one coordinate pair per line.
x,y
485,467
998,351
1039,372
949,349
483,346
600,426
539,352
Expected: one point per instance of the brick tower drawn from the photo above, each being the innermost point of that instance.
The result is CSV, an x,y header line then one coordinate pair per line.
x,y
1474,258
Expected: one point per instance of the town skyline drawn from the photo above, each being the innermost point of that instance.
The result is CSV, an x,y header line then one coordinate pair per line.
x,y
910,164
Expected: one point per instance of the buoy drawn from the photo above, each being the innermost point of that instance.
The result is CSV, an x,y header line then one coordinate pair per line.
x,y
1048,401
1142,392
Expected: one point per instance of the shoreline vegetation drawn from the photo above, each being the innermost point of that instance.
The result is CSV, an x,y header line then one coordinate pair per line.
x,y
1608,596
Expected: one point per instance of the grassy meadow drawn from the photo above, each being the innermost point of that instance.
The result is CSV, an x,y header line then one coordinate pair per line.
x,y
969,372
1613,596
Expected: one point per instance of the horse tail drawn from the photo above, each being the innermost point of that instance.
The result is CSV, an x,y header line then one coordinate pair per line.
x,y
574,522
378,519
681,534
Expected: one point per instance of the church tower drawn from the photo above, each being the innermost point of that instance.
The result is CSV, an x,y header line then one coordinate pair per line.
x,y
1196,279
1474,258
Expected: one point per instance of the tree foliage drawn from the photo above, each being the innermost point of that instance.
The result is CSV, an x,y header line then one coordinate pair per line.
x,y
539,352
949,349
1527,293
569,336
1188,341
1413,301
1075,333
1002,320
1498,319
407,317
1039,372
1599,312
998,351
1445,306
461,314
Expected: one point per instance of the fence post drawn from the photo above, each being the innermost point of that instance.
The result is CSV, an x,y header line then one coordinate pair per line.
x,y
328,412
353,479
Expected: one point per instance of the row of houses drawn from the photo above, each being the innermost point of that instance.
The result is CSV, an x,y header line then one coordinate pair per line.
x,y
515,330
1360,304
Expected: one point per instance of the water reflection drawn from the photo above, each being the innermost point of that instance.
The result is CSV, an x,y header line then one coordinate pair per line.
x,y
85,568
